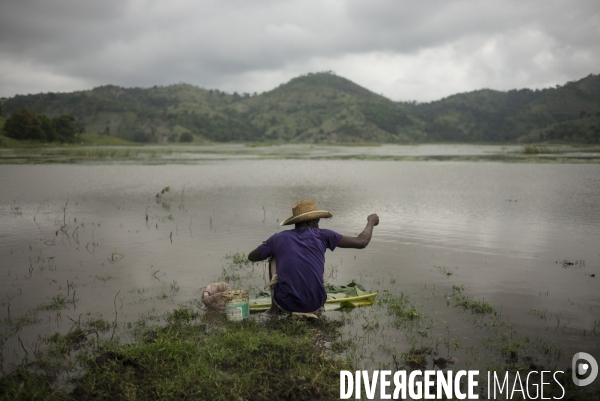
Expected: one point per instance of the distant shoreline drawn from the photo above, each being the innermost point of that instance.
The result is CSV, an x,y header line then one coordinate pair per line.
x,y
88,151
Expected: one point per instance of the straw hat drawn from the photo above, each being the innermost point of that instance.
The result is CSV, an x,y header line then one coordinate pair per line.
x,y
305,210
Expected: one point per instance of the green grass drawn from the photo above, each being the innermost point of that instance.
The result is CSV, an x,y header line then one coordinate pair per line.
x,y
6,142
365,144
534,149
84,139
99,140
190,358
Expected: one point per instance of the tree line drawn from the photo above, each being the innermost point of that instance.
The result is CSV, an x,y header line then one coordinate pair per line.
x,y
25,124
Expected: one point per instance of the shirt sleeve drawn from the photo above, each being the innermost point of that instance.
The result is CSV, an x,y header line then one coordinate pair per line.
x,y
266,248
331,238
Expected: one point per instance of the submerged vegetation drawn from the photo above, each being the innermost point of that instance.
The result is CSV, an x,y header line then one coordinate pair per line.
x,y
468,303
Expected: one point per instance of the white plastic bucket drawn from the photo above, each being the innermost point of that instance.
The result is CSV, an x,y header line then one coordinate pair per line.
x,y
236,305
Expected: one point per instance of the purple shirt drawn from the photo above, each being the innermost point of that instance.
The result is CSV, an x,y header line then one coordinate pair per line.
x,y
300,256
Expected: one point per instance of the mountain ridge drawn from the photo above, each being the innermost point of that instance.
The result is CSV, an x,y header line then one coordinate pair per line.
x,y
325,108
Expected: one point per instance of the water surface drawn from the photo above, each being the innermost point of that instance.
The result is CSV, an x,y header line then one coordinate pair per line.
x,y
502,230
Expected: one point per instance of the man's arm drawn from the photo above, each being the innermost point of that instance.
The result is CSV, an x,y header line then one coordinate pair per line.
x,y
254,256
362,240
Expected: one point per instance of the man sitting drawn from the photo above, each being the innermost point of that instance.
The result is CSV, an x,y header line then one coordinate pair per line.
x,y
300,255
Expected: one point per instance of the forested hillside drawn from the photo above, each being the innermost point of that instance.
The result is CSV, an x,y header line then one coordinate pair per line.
x,y
569,112
324,107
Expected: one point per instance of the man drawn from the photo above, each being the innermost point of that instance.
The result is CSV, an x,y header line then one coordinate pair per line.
x,y
300,255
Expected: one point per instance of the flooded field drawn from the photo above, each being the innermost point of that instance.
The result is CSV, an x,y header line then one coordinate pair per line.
x,y
191,154
485,264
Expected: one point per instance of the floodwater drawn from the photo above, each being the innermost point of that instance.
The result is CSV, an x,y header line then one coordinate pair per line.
x,y
105,236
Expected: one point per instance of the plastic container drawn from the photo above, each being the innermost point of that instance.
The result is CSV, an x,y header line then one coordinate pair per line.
x,y
236,305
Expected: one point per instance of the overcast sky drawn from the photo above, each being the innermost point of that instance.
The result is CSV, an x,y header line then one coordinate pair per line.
x,y
406,50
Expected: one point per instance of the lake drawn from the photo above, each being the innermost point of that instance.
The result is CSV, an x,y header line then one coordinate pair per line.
x,y
522,236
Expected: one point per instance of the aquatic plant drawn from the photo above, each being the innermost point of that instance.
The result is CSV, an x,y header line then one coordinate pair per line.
x,y
237,270
58,302
415,359
534,149
445,270
469,303
399,306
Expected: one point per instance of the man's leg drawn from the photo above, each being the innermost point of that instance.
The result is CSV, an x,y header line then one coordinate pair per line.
x,y
275,310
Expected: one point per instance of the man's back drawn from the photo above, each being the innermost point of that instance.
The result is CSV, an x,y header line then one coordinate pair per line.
x,y
300,256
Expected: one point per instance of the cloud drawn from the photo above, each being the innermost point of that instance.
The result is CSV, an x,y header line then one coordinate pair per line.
x,y
403,49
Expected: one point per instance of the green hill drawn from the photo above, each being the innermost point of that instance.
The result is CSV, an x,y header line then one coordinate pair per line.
x,y
324,107
570,112
141,115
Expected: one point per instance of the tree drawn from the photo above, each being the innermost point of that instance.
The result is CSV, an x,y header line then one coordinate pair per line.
x,y
186,137
48,128
65,128
24,124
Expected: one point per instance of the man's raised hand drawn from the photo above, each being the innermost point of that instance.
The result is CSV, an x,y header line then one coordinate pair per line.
x,y
373,219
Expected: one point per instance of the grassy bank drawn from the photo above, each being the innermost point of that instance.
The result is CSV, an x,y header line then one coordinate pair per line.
x,y
82,140
192,357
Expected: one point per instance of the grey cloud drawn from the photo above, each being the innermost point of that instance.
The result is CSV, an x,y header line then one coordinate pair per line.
x,y
216,43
